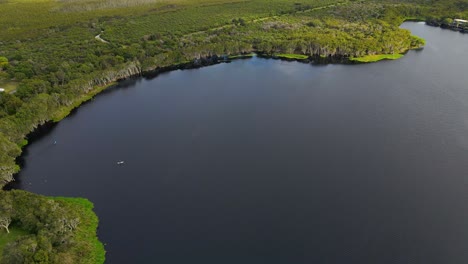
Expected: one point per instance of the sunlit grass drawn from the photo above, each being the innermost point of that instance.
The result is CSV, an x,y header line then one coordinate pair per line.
x,y
8,85
6,238
241,56
374,58
292,56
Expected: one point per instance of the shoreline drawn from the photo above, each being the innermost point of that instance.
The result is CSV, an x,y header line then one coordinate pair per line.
x,y
315,59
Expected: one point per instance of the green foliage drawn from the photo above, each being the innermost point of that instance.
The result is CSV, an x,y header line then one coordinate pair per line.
x,y
58,54
23,143
241,56
3,62
375,58
49,230
292,56
417,42
88,230
9,104
6,238
54,54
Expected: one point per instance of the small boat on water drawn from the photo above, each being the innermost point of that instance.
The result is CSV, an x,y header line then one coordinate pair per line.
x,y
120,162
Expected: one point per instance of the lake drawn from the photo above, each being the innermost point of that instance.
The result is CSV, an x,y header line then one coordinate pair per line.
x,y
268,161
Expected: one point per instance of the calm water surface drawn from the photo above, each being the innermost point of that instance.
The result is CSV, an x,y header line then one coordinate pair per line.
x,y
263,161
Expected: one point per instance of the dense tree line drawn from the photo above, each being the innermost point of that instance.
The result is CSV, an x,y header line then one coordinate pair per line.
x,y
56,230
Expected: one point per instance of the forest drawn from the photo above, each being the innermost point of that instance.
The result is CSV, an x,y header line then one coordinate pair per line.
x,y
38,229
54,55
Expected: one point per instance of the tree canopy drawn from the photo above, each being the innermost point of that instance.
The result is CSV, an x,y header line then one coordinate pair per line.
x,y
56,230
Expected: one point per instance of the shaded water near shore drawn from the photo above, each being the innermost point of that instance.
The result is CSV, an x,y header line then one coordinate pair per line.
x,y
266,161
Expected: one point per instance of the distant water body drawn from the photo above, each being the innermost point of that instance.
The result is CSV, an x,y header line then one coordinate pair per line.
x,y
265,161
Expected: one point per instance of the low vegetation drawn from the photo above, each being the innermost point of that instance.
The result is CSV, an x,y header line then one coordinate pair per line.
x,y
6,238
292,56
241,56
375,58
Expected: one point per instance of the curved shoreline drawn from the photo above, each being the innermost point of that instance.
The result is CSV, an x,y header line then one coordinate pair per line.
x,y
134,71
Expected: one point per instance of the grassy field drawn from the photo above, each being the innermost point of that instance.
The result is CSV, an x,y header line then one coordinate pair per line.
x,y
292,56
241,56
375,58
5,238
9,86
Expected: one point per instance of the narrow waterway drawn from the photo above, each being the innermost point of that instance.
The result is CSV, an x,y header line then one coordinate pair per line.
x,y
266,161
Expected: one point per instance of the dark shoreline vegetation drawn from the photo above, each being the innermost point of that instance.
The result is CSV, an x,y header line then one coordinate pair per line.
x,y
54,61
